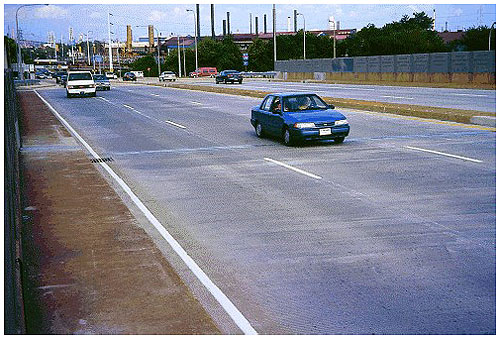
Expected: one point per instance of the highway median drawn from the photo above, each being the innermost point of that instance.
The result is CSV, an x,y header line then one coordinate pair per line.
x,y
437,113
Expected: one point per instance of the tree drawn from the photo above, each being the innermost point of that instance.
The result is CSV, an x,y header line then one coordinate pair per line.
x,y
147,64
477,38
260,56
406,36
11,48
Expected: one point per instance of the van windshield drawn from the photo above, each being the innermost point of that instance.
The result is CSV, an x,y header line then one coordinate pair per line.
x,y
79,76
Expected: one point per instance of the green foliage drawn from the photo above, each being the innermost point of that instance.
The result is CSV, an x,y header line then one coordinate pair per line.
x,y
147,64
477,38
260,56
11,48
223,54
407,36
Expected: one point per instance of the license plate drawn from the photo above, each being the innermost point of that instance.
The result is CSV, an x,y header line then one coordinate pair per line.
x,y
325,131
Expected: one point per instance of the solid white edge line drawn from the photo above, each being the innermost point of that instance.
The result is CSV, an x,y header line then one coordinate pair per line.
x,y
175,124
300,171
221,298
445,154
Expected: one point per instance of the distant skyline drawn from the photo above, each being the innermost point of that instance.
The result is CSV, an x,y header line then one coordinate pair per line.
x,y
37,22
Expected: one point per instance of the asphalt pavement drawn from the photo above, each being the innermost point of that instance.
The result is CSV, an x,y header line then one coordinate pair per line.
x,y
469,99
391,232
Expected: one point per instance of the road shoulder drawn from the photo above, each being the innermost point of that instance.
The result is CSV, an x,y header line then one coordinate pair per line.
x,y
89,268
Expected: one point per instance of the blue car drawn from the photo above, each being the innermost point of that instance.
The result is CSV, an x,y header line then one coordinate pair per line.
x,y
298,117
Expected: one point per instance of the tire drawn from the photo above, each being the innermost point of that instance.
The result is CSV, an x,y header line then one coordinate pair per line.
x,y
68,95
287,138
225,81
240,81
259,131
339,139
93,94
217,82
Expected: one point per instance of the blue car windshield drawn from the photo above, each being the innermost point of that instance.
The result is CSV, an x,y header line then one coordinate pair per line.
x,y
303,102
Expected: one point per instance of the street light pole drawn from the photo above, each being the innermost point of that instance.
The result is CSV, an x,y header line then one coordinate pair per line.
x,y
20,72
274,31
88,48
195,38
304,20
109,43
489,37
334,37
184,56
179,55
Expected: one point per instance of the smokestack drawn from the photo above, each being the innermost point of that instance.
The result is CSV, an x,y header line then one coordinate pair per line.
x,y
265,24
446,26
257,25
289,27
228,26
250,23
223,27
129,40
151,36
295,20
198,20
212,15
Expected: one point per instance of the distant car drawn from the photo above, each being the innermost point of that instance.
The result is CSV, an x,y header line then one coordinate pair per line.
x,y
40,75
80,83
111,75
58,76
102,82
204,71
137,73
229,76
167,75
63,80
129,76
297,117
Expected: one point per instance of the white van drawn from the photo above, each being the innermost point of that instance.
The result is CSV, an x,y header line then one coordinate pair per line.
x,y
80,84
138,73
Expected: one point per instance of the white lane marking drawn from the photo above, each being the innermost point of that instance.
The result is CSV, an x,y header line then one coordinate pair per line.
x,y
481,95
125,105
175,124
445,154
221,298
102,98
398,97
155,94
300,171
198,103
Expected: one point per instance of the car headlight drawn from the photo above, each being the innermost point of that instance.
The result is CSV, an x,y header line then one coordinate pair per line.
x,y
341,122
70,87
302,125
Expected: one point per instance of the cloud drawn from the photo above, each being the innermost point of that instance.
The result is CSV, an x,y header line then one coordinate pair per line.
x,y
51,12
458,12
157,16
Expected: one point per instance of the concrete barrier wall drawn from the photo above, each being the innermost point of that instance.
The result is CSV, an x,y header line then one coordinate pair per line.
x,y
456,67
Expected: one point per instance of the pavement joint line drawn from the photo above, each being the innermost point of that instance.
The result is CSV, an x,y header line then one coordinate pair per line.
x,y
217,293
176,124
398,97
300,171
445,154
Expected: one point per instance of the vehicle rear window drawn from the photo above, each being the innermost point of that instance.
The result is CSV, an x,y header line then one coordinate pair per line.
x,y
79,76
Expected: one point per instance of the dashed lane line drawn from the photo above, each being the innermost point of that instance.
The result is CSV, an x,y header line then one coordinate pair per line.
x,y
300,171
445,154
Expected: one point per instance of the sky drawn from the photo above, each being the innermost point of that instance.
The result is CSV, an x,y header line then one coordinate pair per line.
x,y
171,18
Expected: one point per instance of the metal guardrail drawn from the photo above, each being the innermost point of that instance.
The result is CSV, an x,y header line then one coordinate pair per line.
x,y
13,304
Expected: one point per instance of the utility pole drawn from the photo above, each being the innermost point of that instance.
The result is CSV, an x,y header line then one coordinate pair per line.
x,y
195,39
212,15
184,57
274,31
250,23
198,22
109,44
334,36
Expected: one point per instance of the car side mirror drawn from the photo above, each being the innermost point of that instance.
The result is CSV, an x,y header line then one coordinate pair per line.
x,y
331,106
